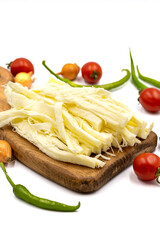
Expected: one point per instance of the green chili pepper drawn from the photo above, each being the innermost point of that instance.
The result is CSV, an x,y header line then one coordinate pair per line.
x,y
140,86
148,80
105,86
22,192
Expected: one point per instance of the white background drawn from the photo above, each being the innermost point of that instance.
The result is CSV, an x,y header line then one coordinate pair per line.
x,y
81,31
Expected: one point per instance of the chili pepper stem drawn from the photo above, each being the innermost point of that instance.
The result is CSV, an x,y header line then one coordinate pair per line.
x,y
5,172
44,64
140,86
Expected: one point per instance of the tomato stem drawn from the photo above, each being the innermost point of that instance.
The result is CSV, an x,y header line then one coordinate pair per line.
x,y
94,75
158,175
8,65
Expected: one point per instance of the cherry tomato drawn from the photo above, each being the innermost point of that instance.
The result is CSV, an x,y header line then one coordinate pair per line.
x,y
91,72
147,166
21,65
150,99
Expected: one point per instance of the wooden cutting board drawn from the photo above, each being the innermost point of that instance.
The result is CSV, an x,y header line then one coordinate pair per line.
x,y
74,177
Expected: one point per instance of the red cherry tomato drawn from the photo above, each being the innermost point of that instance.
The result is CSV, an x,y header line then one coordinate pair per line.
x,y
147,166
21,65
91,72
150,99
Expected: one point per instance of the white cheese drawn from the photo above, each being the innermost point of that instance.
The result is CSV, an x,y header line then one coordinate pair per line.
x,y
69,124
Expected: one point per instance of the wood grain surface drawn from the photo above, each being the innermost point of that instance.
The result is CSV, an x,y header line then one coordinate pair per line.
x,y
77,178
